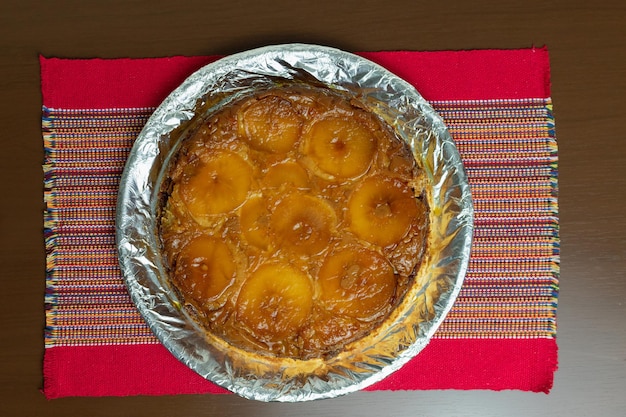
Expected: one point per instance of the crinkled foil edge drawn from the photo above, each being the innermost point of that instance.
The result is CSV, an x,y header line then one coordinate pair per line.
x,y
410,327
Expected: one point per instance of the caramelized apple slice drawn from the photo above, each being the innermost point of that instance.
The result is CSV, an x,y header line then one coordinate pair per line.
x,y
275,301
357,282
270,124
303,224
286,173
205,270
254,221
381,210
340,147
218,185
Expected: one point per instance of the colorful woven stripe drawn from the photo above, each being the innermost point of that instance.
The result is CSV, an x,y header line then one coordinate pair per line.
x,y
509,152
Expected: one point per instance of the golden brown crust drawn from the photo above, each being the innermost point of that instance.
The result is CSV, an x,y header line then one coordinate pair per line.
x,y
291,224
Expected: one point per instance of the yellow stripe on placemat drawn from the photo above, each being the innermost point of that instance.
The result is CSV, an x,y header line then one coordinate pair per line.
x,y
509,151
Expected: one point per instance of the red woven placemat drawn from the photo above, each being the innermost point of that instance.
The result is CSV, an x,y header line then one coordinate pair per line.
x,y
501,332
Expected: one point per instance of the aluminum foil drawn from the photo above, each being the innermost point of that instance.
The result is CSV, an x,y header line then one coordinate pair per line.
x,y
410,327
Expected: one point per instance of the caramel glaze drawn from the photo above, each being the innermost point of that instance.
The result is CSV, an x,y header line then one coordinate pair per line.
x,y
266,228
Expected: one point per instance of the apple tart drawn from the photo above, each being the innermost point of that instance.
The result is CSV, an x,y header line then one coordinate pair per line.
x,y
293,221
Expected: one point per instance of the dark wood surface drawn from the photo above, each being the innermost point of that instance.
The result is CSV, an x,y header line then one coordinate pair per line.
x,y
587,43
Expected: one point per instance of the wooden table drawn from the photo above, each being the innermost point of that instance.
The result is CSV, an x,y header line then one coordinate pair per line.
x,y
588,57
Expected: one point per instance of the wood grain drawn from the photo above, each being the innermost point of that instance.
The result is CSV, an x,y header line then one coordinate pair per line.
x,y
588,57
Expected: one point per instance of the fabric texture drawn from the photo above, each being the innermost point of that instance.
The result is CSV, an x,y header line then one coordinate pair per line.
x,y
501,332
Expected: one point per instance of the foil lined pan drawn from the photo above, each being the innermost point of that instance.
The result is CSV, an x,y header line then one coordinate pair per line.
x,y
409,328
